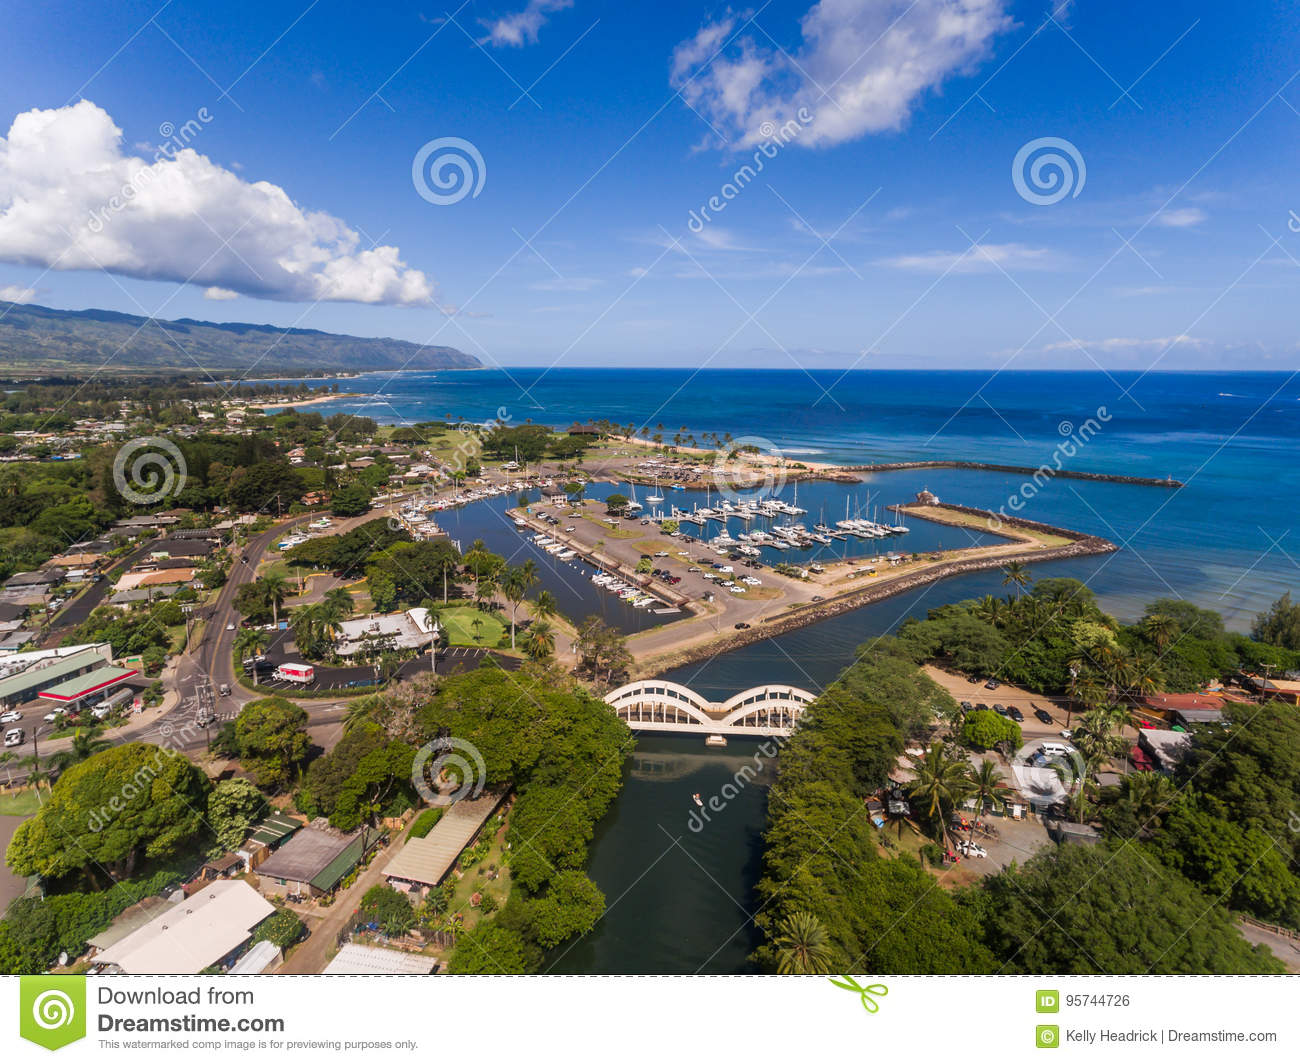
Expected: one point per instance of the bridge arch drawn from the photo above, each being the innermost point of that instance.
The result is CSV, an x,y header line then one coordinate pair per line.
x,y
663,705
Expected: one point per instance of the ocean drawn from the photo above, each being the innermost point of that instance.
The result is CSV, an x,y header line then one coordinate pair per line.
x,y
1223,540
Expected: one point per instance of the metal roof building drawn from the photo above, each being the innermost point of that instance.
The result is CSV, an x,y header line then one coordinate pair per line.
x,y
353,958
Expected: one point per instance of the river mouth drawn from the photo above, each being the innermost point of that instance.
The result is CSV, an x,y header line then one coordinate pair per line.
x,y
678,878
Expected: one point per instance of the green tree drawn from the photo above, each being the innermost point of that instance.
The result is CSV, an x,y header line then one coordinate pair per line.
x,y
570,907
803,946
984,729
389,908
272,740
491,949
234,806
124,803
1279,625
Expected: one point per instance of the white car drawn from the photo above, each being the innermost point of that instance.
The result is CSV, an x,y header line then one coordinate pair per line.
x,y
230,627
53,715
10,716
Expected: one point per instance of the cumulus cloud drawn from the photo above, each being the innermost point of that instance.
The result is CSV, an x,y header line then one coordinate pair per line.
x,y
1182,218
219,293
71,199
981,258
861,66
522,27
16,293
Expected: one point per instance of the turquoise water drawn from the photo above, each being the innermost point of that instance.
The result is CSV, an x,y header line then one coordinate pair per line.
x,y
1222,541
681,899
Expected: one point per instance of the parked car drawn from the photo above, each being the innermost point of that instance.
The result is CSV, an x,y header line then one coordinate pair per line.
x,y
742,625
1015,715
992,685
967,706
998,707
14,737
9,716
53,715
1043,715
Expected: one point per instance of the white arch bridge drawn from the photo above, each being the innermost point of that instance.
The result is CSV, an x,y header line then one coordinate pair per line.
x,y
664,706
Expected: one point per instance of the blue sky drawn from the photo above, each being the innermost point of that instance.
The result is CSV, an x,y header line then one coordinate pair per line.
x,y
885,230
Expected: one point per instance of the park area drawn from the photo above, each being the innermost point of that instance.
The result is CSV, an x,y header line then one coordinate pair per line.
x,y
467,626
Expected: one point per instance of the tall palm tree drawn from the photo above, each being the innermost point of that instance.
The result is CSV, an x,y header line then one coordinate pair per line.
x,y
545,606
515,585
306,624
340,600
358,712
251,641
988,786
275,589
803,946
1017,574
540,643
942,783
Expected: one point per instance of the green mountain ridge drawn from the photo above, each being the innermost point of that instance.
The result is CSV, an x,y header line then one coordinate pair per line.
x,y
35,339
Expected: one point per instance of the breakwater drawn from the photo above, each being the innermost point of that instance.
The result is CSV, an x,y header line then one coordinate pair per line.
x,y
995,467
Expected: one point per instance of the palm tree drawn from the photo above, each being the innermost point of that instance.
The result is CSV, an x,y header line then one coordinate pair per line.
x,y
339,599
358,712
250,642
275,589
1161,629
803,945
306,624
942,783
515,585
540,643
1017,574
84,745
988,786
545,606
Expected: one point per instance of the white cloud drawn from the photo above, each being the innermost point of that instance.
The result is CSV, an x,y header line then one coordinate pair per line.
x,y
15,293
1125,343
219,293
522,27
980,258
861,67
1181,218
70,199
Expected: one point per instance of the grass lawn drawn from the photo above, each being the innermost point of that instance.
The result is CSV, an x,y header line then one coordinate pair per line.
x,y
19,803
459,622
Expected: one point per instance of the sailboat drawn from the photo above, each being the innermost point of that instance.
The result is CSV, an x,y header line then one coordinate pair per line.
x,y
656,498
632,506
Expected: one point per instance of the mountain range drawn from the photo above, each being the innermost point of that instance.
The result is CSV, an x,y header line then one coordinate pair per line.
x,y
42,340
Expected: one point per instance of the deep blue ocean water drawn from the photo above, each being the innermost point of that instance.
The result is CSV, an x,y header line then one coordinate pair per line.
x,y
1222,541
682,901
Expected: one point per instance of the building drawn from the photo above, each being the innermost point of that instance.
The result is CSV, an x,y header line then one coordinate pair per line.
x,y
261,957
422,864
93,685
41,582
1165,748
177,547
197,933
27,675
1281,690
411,630
313,861
266,838
354,958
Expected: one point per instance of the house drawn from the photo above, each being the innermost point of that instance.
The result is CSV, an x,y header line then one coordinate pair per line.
x,y
354,958
1281,690
1166,749
183,547
587,429
261,957
197,933
313,861
154,577
422,864
265,838
40,582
